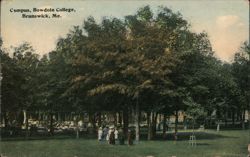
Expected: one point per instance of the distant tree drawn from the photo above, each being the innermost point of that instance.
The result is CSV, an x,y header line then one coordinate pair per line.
x,y
241,71
11,82
25,58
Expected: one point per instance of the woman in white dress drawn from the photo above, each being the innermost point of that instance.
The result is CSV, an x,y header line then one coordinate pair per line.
x,y
109,132
116,134
100,134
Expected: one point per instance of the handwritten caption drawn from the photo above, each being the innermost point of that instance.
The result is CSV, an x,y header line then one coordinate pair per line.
x,y
42,13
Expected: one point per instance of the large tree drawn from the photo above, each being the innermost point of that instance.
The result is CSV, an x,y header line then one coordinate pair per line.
x,y
141,57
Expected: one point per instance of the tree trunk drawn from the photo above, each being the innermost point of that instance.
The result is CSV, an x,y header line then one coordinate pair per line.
x,y
164,125
243,120
5,121
65,116
218,126
125,121
248,100
176,125
26,124
155,116
59,118
193,126
39,117
120,118
77,132
225,122
115,119
51,131
176,122
77,127
238,116
233,117
137,122
24,117
149,119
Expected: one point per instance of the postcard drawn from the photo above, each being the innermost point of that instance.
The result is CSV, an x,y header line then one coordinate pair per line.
x,y
123,78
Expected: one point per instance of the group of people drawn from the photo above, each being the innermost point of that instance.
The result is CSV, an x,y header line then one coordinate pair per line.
x,y
114,136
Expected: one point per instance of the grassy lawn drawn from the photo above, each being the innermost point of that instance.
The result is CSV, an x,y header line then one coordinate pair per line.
x,y
209,144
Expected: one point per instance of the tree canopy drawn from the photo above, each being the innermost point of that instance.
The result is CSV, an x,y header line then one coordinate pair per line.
x,y
147,62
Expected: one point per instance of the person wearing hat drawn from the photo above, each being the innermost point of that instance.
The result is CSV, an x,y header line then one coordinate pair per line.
x,y
130,138
108,135
121,136
112,136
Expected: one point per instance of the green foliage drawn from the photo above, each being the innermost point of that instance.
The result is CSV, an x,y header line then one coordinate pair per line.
x,y
241,73
149,58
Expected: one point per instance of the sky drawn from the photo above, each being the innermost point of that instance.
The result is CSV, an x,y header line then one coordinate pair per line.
x,y
225,21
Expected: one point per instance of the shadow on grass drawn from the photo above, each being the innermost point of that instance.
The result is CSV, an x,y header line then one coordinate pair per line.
x,y
48,137
184,136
